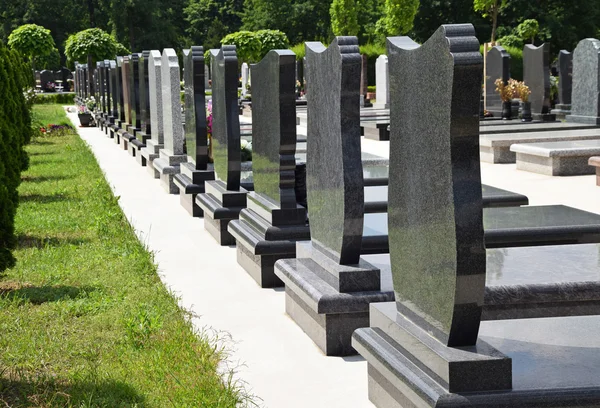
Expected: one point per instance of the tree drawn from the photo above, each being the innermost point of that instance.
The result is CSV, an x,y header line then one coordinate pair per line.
x,y
211,20
252,46
92,43
344,17
491,9
32,41
528,29
399,17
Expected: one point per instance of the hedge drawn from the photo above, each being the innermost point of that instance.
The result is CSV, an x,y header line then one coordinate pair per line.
x,y
54,98
15,133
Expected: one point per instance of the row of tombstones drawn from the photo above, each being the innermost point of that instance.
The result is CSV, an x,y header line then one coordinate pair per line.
x,y
47,79
421,336
577,81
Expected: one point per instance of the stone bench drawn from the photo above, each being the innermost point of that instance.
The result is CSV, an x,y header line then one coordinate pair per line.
x,y
495,148
595,161
523,127
567,158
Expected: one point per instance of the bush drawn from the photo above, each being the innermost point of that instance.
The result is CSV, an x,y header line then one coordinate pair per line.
x,y
95,42
32,41
299,50
511,40
54,98
15,132
252,46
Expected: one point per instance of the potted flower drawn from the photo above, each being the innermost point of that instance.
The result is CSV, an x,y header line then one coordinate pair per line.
x,y
524,92
85,112
506,94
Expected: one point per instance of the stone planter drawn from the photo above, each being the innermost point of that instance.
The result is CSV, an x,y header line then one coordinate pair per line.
x,y
85,119
526,111
507,110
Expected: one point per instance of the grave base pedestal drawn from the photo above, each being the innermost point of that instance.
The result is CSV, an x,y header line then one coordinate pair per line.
x,y
327,300
260,244
137,144
561,111
544,117
220,206
167,165
591,120
149,154
191,183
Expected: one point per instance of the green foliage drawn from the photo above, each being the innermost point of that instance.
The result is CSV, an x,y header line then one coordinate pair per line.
x,y
399,17
32,41
528,29
211,20
299,50
511,40
344,17
15,133
252,46
490,9
516,62
50,61
373,50
120,49
93,41
53,99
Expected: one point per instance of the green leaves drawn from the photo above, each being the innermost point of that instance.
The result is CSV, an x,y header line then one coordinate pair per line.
x,y
399,17
528,29
31,41
95,42
344,17
252,46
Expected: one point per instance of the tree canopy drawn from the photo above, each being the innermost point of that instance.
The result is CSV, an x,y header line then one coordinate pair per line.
x,y
32,41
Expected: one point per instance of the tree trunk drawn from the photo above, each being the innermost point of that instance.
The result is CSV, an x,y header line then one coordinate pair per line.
x,y
90,4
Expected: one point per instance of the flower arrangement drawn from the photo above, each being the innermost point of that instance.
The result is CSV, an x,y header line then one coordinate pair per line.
x,y
506,91
521,90
50,87
90,103
246,150
209,122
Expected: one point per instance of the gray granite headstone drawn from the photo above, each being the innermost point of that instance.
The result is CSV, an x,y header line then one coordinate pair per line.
x,y
144,91
565,77
382,84
245,78
586,82
134,90
120,89
125,81
226,148
536,75
195,108
497,66
334,171
274,128
107,87
114,90
155,96
100,87
435,213
172,120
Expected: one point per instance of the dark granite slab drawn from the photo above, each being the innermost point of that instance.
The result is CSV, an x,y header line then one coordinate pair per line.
x,y
134,90
145,124
565,77
196,137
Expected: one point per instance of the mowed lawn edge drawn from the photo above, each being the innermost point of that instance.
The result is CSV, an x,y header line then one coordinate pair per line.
x,y
84,319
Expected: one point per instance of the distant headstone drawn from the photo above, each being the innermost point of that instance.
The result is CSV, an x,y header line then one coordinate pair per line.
x,y
64,74
195,108
100,88
172,120
536,75
114,91
47,80
155,97
565,84
126,82
107,91
245,78
121,90
134,90
144,91
382,86
497,66
226,123
586,83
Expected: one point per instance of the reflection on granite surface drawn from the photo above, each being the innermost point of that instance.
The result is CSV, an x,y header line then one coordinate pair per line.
x,y
334,167
435,211
226,122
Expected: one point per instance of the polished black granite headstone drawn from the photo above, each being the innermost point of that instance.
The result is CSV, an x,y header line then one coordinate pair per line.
x,y
134,96
565,84
329,286
497,66
144,132
586,82
272,204
114,96
224,198
195,172
536,75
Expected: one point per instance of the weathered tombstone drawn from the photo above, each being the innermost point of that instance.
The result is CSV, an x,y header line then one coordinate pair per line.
x,y
172,154
195,172
144,91
536,75
272,204
224,198
497,66
585,106
134,92
47,80
156,142
101,88
329,285
565,82
382,87
245,77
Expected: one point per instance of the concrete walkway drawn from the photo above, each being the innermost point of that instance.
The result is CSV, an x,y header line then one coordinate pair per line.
x,y
278,362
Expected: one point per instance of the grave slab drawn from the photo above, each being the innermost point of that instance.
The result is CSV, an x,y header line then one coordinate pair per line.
x,y
568,158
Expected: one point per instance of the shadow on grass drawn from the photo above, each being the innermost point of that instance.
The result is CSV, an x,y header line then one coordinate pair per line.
x,y
30,241
41,179
44,199
39,162
77,393
38,295
30,154
41,142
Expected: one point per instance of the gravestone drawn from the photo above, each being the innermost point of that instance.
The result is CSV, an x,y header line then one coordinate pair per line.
x,y
536,75
273,204
114,85
156,142
64,74
100,87
47,80
172,154
144,91
224,198
382,83
122,137
565,84
364,81
134,92
329,286
497,66
585,106
108,96
122,120
195,172
245,78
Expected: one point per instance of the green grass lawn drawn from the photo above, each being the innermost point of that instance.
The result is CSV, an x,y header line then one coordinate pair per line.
x,y
84,318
